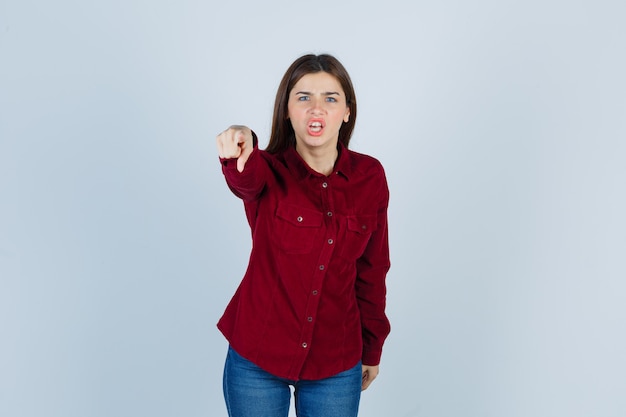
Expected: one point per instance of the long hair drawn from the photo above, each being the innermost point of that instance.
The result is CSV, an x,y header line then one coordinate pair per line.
x,y
283,136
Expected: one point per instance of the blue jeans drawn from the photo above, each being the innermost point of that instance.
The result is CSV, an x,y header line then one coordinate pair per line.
x,y
250,391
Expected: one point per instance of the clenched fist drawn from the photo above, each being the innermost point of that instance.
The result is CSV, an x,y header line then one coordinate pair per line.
x,y
235,142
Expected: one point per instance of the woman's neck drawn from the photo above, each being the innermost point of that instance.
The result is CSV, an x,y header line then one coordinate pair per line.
x,y
320,160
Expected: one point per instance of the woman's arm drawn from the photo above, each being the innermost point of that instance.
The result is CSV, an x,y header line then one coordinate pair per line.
x,y
372,269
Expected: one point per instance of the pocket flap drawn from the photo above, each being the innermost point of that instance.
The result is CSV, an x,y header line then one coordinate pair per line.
x,y
362,224
299,216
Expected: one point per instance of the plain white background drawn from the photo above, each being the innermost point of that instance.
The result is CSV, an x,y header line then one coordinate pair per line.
x,y
502,127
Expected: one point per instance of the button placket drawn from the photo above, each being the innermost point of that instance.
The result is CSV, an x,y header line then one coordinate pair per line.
x,y
319,274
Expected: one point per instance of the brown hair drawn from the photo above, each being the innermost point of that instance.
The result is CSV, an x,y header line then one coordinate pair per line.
x,y
283,136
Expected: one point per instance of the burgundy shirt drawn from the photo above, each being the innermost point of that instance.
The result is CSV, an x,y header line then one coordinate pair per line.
x,y
312,301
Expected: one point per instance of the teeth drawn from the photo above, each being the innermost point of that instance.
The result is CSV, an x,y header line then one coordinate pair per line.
x,y
316,124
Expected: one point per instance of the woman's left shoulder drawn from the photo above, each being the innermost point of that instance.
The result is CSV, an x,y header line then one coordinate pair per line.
x,y
361,161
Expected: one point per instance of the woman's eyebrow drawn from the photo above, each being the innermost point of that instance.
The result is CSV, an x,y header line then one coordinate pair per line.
x,y
327,93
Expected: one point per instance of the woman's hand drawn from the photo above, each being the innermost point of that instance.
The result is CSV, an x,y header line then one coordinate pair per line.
x,y
369,374
235,142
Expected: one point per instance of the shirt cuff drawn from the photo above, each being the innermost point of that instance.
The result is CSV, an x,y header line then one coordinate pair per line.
x,y
371,357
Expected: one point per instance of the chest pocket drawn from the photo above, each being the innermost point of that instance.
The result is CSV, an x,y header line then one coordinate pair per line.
x,y
296,228
359,229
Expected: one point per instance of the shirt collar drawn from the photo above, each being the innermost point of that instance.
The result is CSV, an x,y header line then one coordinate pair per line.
x,y
301,169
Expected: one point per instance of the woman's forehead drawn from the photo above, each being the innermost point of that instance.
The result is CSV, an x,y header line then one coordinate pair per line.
x,y
318,81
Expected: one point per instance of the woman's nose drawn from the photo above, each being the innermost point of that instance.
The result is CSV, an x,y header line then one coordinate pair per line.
x,y
317,105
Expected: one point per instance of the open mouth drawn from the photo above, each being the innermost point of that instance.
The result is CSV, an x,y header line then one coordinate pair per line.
x,y
315,127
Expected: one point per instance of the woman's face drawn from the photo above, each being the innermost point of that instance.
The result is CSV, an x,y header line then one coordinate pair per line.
x,y
317,108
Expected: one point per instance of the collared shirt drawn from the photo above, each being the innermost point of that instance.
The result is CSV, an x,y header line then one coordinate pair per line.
x,y
312,301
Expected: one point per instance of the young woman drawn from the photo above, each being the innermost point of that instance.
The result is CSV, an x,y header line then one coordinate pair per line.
x,y
310,310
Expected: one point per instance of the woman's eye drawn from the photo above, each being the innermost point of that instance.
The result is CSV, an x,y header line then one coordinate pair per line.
x,y
331,99
303,98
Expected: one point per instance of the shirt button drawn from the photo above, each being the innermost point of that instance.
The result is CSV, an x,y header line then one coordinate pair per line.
x,y
315,292
330,241
321,267
309,319
324,184
299,218
304,345
330,213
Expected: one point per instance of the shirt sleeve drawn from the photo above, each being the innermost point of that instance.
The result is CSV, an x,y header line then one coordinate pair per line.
x,y
372,268
248,184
